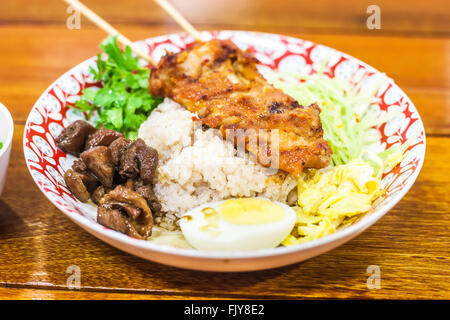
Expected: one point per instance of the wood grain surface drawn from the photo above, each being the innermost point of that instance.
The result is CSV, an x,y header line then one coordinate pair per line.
x,y
410,244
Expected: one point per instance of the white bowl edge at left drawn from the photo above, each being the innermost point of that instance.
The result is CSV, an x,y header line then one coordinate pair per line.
x,y
6,135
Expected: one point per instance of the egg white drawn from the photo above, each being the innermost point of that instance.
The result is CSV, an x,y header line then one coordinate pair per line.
x,y
226,236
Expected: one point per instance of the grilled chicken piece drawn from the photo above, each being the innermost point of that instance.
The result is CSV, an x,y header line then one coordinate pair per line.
x,y
221,83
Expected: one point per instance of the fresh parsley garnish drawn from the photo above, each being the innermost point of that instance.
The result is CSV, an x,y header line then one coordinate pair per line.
x,y
123,102
1,144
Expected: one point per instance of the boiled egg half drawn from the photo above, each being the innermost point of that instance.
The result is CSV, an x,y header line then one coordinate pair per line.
x,y
238,224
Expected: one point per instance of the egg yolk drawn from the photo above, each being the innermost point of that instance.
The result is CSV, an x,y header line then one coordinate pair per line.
x,y
250,211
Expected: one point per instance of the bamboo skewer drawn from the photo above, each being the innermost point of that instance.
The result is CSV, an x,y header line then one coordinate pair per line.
x,y
102,24
179,19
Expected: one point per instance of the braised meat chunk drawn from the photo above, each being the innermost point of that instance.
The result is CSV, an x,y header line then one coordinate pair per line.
x,y
147,158
73,138
118,148
98,194
126,211
79,166
81,184
125,201
138,159
102,137
114,219
147,193
221,84
98,161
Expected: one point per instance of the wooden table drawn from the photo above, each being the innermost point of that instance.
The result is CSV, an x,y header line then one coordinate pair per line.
x,y
410,244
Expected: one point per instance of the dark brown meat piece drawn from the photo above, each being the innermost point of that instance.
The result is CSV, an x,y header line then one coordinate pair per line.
x,y
139,159
81,184
102,137
79,166
73,138
98,194
122,209
129,184
129,168
118,148
148,161
147,193
126,211
98,161
114,219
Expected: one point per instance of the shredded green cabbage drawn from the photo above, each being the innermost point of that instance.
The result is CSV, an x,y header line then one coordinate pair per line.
x,y
348,114
331,198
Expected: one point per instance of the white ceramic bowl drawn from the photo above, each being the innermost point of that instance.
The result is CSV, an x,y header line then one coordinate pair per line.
x,y
6,135
50,114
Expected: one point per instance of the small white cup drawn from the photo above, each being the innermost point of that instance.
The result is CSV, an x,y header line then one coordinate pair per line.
x,y
6,135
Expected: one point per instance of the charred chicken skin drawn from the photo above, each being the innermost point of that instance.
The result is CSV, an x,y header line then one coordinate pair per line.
x,y
221,84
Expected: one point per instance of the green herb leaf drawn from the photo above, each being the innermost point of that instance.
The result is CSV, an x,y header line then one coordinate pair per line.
x,y
115,117
123,102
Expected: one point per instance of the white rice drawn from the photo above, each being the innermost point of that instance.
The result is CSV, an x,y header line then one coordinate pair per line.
x,y
198,166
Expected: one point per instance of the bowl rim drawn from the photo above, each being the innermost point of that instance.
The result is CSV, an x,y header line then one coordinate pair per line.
x,y
7,143
368,220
